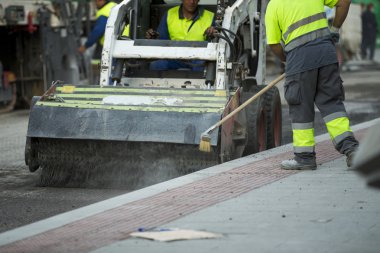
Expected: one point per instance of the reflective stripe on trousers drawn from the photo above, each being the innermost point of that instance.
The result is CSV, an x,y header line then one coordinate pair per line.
x,y
321,87
338,126
303,137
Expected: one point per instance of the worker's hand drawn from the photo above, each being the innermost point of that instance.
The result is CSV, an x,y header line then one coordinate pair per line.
x,y
82,49
335,36
151,34
210,32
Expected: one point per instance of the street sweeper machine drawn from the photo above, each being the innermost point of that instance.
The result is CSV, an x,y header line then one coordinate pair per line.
x,y
138,120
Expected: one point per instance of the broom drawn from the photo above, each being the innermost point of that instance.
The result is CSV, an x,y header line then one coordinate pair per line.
x,y
205,145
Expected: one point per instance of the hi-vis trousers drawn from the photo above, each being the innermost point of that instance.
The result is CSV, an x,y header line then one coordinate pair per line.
x,y
322,87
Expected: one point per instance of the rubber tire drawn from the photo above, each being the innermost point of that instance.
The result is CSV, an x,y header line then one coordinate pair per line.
x,y
256,123
30,155
249,84
30,150
273,110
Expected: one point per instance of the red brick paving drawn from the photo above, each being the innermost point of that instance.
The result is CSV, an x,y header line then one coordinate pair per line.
x,y
116,224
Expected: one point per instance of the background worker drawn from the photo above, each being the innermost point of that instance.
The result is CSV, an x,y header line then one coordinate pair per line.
x,y
97,34
187,22
298,34
369,30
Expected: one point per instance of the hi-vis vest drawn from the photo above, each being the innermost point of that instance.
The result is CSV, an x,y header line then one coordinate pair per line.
x,y
105,11
185,29
126,31
298,25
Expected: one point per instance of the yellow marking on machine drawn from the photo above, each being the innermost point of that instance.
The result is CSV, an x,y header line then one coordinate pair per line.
x,y
220,93
131,108
101,96
148,91
68,89
188,104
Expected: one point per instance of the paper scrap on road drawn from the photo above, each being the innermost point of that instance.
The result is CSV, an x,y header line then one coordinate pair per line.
x,y
174,235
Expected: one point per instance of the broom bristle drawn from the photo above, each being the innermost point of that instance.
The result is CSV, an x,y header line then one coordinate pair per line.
x,y
205,144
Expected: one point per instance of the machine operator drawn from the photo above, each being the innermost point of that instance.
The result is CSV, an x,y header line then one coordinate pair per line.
x,y
186,22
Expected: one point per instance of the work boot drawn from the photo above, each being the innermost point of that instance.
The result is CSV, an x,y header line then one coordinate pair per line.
x,y
293,164
349,158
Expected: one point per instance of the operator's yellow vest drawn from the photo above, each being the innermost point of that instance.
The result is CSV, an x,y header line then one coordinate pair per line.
x,y
185,29
126,31
105,11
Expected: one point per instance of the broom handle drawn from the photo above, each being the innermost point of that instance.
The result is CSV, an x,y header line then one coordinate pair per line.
x,y
242,106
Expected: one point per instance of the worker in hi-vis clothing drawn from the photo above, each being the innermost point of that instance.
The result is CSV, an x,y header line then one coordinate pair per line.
x,y
297,32
97,34
186,22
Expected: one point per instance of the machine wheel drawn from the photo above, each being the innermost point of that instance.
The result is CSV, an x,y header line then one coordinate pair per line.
x,y
256,123
30,147
249,85
30,155
274,117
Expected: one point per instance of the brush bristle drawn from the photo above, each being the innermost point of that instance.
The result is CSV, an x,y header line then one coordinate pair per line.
x,y
205,144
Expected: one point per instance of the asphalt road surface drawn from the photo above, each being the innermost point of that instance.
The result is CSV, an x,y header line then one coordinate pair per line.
x,y
23,202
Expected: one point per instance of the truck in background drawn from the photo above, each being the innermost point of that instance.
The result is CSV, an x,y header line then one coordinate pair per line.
x,y
39,44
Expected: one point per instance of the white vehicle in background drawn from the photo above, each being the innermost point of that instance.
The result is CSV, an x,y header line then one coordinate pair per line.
x,y
39,44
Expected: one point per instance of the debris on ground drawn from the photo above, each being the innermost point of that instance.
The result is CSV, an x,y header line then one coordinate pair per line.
x,y
168,235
